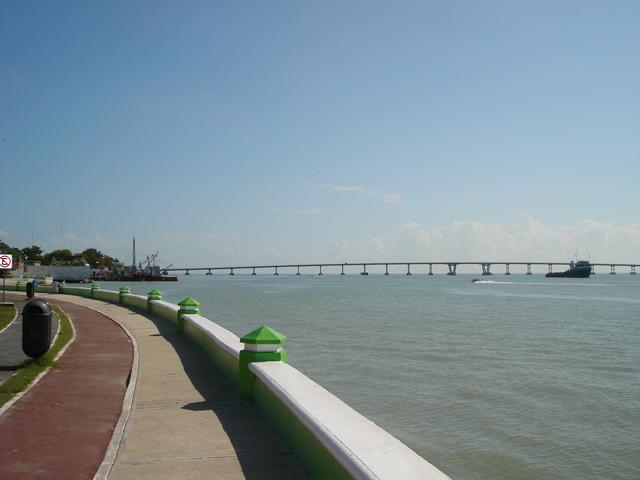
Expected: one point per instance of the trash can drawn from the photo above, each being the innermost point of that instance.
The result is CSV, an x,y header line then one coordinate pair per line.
x,y
56,287
31,289
36,328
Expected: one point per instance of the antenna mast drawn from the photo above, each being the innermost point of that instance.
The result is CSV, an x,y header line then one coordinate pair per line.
x,y
133,265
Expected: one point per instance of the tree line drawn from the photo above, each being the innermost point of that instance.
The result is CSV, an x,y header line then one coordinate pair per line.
x,y
95,258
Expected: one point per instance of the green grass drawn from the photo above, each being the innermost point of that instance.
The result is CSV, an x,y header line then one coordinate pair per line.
x,y
30,369
7,312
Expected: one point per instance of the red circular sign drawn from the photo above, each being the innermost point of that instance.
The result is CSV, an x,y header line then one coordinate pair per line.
x,y
5,261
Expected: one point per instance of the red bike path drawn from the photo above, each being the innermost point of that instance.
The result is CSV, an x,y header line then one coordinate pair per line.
x,y
61,428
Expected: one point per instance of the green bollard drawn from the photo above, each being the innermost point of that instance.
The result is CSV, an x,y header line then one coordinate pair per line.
x,y
153,295
188,306
121,293
94,287
262,345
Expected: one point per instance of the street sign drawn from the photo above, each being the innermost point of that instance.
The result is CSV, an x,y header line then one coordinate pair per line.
x,y
6,261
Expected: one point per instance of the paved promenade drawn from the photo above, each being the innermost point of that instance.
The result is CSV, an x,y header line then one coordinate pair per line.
x,y
62,426
11,355
186,420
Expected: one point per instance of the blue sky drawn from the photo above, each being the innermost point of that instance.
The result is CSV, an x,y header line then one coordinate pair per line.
x,y
231,132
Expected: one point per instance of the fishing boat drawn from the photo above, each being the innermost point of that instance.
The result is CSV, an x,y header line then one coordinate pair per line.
x,y
144,272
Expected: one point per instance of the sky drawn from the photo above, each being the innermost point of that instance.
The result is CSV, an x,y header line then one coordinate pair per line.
x,y
222,133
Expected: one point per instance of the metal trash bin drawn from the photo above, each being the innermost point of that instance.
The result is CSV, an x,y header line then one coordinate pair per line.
x,y
56,287
36,328
31,288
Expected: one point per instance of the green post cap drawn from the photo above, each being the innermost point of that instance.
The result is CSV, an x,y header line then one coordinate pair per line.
x,y
188,306
264,335
189,302
124,290
95,286
153,295
264,344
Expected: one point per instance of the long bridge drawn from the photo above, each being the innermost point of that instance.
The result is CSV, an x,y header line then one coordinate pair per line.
x,y
362,267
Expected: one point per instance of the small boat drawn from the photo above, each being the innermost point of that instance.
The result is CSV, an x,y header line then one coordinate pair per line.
x,y
579,269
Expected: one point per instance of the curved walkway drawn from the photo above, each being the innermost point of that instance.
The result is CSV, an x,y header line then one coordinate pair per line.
x,y
62,426
11,354
187,420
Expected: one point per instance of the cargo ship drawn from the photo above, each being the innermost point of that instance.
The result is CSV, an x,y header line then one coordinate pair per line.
x,y
579,269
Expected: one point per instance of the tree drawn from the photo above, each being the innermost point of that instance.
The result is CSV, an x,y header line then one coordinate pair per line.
x,y
61,256
93,257
110,262
32,253
97,259
5,248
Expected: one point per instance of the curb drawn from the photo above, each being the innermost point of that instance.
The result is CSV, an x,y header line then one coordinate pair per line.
x,y
11,322
18,396
118,432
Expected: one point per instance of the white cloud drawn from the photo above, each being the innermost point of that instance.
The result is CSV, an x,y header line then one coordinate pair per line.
x,y
391,198
343,188
220,236
528,240
308,211
386,197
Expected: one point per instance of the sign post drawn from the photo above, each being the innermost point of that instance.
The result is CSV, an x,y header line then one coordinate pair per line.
x,y
6,263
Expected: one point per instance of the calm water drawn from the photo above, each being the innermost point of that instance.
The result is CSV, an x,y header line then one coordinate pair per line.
x,y
525,378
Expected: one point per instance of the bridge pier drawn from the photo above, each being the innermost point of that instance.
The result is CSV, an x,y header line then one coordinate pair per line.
x,y
364,269
209,272
486,269
507,272
276,272
633,270
613,270
550,268
408,269
187,272
231,272
386,269
452,268
430,270
320,272
254,271
528,269
342,272
298,274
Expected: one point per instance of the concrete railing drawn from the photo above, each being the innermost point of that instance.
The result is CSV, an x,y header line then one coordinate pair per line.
x,y
330,439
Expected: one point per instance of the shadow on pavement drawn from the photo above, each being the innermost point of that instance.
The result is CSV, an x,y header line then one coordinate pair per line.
x,y
260,451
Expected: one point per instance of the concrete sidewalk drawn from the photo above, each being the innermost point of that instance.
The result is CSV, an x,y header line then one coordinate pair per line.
x,y
187,421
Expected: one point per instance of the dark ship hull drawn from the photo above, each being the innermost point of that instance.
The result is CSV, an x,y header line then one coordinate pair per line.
x,y
581,269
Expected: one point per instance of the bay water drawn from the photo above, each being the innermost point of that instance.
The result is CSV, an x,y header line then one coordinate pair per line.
x,y
522,377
